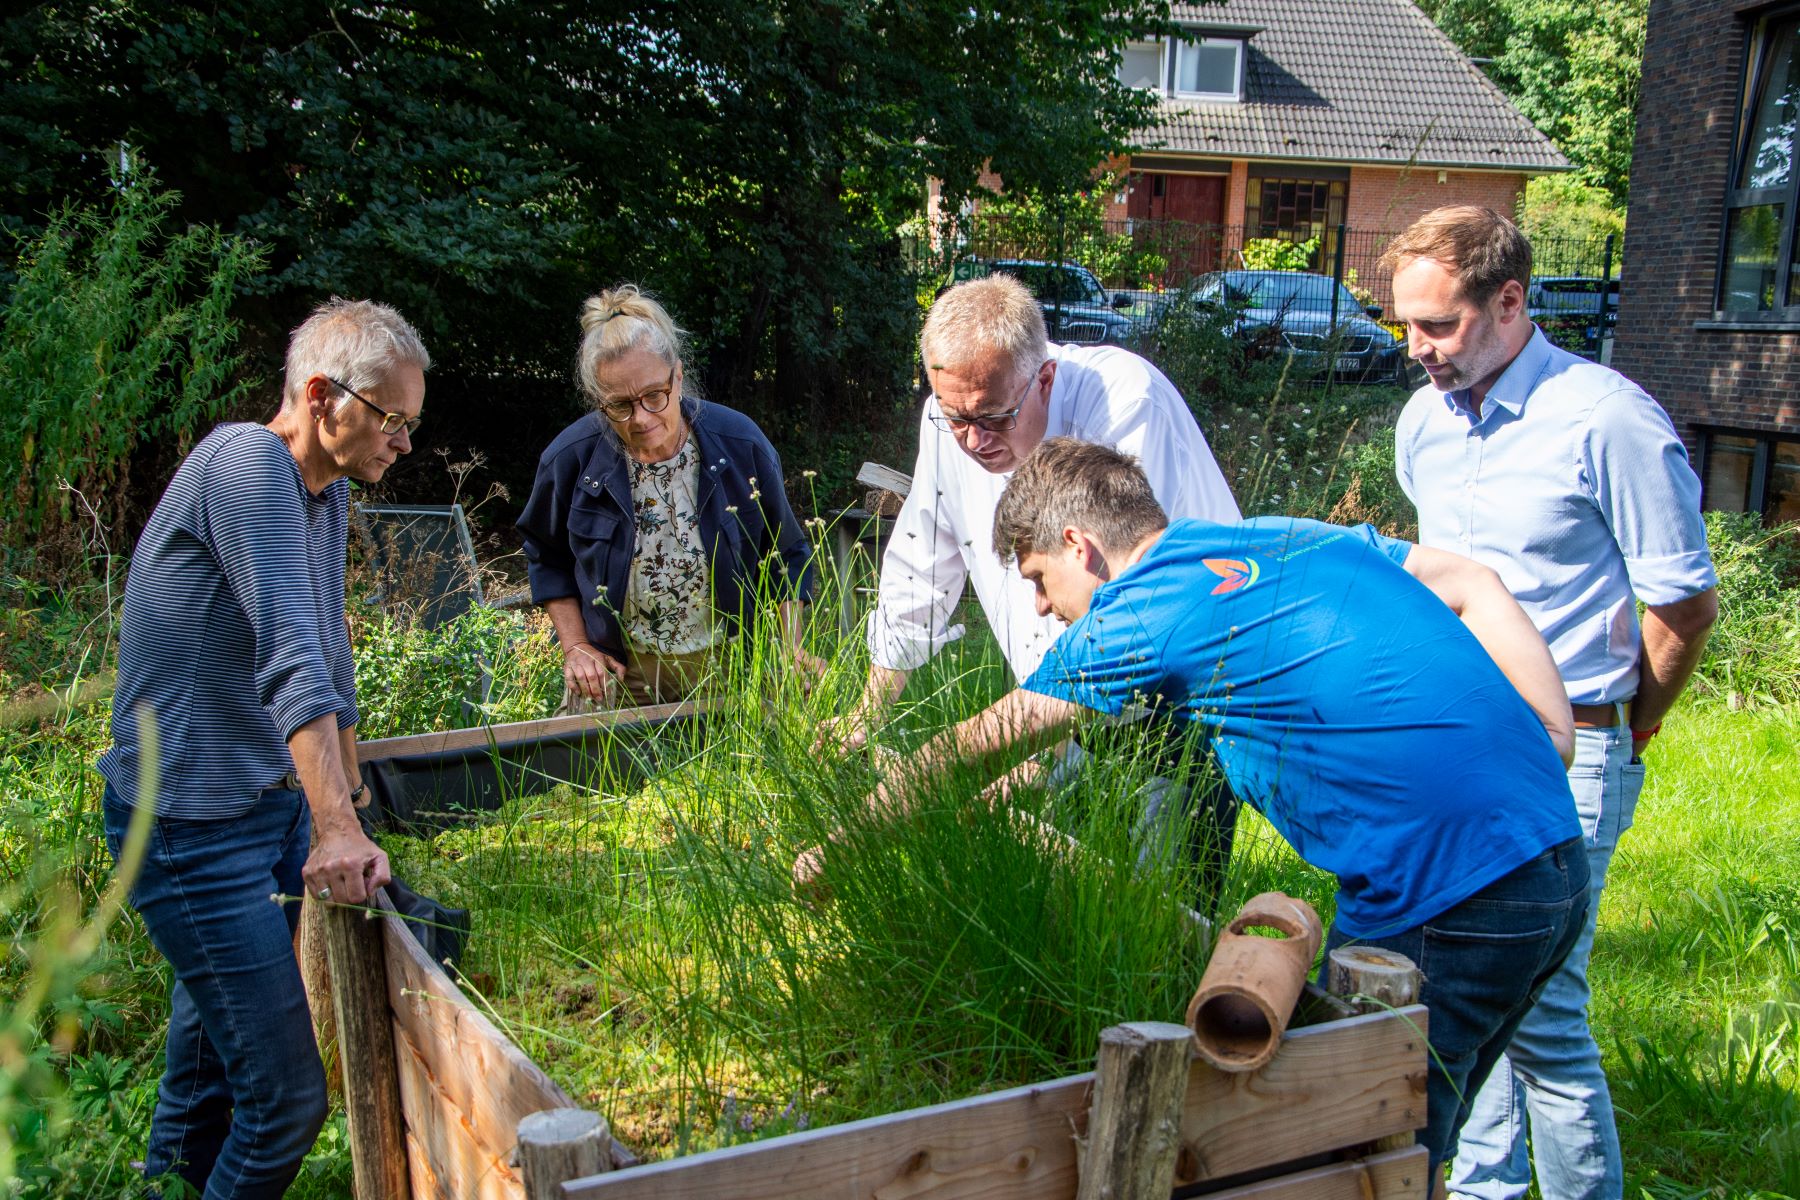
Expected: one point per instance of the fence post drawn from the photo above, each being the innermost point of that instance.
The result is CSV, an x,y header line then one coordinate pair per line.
x,y
560,1144
1337,276
1372,980
1605,298
365,1028
1134,1122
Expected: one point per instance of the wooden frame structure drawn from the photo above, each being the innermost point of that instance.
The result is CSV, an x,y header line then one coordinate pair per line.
x,y
436,1095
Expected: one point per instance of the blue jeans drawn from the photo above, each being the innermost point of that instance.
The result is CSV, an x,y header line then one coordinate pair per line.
x,y
1551,1077
1484,962
243,1092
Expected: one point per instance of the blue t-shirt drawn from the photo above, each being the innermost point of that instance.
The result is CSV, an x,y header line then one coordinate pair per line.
x,y
1349,704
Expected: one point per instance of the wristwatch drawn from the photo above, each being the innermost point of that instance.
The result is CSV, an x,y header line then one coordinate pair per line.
x,y
360,796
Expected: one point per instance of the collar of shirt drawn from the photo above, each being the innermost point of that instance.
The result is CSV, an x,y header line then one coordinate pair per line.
x,y
1514,385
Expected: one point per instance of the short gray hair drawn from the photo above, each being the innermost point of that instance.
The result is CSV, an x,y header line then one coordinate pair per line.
x,y
1066,482
355,342
975,319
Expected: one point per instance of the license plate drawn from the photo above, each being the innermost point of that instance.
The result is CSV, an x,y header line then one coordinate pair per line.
x,y
1349,362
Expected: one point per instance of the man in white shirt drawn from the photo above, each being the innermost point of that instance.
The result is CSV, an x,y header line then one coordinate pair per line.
x,y
1000,388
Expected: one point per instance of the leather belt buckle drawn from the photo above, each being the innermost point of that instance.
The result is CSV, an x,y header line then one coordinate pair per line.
x,y
289,782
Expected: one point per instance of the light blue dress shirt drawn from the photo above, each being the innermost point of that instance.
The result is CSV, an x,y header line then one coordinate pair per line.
x,y
1573,485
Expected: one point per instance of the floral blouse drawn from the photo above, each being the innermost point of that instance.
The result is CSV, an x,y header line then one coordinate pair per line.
x,y
668,603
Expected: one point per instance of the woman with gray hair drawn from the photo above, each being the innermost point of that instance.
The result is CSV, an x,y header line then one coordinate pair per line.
x,y
651,517
235,720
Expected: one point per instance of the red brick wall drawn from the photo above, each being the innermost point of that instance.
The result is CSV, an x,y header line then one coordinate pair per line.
x,y
1388,199
1693,65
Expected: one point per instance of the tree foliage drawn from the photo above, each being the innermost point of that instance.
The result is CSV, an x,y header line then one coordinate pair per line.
x,y
1574,67
483,164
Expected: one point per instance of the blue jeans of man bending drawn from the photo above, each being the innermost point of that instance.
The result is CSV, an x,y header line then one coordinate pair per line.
x,y
243,1093
1550,1079
1484,961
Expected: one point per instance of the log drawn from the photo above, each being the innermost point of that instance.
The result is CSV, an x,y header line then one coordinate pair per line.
x,y
1373,979
561,1144
874,475
514,732
1252,983
359,993
315,976
1134,1123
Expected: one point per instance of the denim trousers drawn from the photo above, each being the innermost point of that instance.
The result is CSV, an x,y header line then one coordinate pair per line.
x,y
1550,1080
243,1092
1484,961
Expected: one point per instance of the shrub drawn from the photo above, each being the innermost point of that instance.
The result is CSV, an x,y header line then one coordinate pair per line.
x,y
488,665
1280,254
1753,656
116,345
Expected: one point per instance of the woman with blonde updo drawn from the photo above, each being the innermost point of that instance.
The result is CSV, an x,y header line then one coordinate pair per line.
x,y
651,517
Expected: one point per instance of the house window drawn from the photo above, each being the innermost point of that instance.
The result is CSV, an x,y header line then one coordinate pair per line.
x,y
1758,272
1305,207
1142,65
1750,472
1209,68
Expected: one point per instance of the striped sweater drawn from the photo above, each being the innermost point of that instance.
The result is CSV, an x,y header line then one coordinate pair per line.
x,y
233,631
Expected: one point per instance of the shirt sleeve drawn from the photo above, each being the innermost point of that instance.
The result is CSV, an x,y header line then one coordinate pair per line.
x,y
1145,417
1403,449
1637,472
254,521
544,529
337,632
922,569
1394,548
1106,666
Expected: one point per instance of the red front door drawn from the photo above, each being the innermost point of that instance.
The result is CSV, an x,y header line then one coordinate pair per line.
x,y
1188,212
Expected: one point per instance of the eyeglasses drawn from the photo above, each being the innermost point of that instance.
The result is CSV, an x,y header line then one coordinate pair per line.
x,y
618,409
391,422
998,422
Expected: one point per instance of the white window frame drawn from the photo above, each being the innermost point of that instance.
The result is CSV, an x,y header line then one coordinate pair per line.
x,y
1162,62
1174,68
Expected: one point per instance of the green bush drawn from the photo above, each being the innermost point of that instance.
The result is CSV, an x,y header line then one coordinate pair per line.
x,y
1753,656
488,665
116,346
1280,254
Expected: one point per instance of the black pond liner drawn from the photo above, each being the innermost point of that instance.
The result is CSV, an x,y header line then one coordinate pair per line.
x,y
427,783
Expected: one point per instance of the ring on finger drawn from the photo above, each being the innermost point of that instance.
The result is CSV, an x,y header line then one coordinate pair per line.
x,y
324,893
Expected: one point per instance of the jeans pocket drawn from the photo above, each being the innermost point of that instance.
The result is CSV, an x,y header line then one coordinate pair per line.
x,y
1481,978
181,835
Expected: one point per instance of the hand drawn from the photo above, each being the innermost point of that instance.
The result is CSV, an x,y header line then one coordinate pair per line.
x,y
590,672
811,667
809,877
1640,739
843,734
347,863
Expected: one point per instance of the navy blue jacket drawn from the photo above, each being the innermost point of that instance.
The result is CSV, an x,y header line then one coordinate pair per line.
x,y
580,529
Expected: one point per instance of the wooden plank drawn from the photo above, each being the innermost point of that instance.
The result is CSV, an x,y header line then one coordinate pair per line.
x,y
886,478
1329,1086
516,732
487,1078
460,1165
1017,1143
425,1184
1395,1175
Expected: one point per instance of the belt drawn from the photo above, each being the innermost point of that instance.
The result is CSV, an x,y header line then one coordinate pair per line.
x,y
289,782
1595,716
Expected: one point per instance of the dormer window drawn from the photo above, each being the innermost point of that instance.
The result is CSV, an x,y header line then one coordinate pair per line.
x,y
1195,67
1209,68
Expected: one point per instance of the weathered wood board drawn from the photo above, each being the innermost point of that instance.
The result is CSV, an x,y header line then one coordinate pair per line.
x,y
1395,1175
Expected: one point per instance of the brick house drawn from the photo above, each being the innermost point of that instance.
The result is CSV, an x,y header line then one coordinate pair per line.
x,y
1297,117
1710,295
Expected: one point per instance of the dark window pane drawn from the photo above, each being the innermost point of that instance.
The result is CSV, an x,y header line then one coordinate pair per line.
x,y
1784,484
1728,462
1752,237
1769,160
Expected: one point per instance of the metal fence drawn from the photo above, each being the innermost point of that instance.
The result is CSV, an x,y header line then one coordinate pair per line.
x,y
1140,264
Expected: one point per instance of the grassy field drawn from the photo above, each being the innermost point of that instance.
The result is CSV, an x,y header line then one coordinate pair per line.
x,y
640,942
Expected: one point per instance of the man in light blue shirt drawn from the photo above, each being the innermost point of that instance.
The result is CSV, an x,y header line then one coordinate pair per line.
x,y
1571,483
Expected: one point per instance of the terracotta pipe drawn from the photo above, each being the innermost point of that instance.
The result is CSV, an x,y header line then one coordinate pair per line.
x,y
1253,982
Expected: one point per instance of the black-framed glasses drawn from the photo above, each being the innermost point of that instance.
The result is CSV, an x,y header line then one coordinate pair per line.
x,y
618,409
391,422
998,422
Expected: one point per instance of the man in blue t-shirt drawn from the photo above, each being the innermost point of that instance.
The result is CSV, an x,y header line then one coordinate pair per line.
x,y
1417,756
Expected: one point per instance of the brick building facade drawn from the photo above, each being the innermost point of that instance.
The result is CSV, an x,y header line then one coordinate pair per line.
x,y
1709,304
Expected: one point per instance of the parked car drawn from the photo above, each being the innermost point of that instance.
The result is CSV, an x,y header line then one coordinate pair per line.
x,y
1076,308
1292,312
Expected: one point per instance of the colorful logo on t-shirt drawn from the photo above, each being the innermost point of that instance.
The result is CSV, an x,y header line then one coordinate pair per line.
x,y
1233,573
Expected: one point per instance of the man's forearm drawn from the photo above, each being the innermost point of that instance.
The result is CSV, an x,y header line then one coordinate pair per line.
x,y
1674,638
318,749
565,615
1018,723
883,688
347,754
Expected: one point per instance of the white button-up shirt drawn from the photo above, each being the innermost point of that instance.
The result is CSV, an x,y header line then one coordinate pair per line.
x,y
1573,486
944,534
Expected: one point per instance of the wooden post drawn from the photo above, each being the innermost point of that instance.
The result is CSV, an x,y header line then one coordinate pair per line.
x,y
560,1144
1373,979
315,975
359,999
1134,1124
